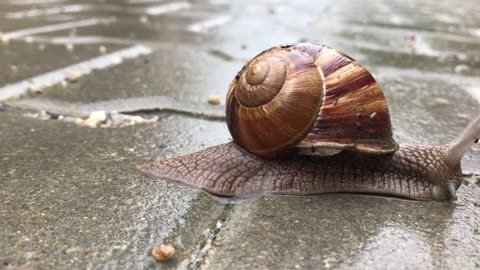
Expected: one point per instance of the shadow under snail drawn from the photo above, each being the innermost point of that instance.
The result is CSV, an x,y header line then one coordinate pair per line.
x,y
307,119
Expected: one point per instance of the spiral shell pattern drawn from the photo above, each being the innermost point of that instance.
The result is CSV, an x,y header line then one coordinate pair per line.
x,y
304,97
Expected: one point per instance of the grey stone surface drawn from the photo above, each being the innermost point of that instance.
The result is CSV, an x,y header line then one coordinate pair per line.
x,y
71,198
22,60
351,232
189,76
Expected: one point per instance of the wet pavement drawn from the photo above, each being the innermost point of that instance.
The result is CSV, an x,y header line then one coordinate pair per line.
x,y
71,197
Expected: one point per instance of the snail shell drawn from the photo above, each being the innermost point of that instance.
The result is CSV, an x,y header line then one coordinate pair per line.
x,y
306,97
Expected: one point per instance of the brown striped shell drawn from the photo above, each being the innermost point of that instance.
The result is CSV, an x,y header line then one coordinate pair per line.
x,y
307,97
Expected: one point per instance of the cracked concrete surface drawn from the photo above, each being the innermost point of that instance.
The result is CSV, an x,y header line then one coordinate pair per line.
x,y
71,198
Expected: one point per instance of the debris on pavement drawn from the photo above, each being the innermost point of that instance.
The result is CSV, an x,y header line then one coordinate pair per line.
x,y
102,49
73,76
214,100
163,253
97,119
35,89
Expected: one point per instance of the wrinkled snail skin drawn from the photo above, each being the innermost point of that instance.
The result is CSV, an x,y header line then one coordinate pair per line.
x,y
413,171
420,172
289,104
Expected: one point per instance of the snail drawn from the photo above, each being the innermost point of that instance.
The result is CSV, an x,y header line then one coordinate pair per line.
x,y
307,119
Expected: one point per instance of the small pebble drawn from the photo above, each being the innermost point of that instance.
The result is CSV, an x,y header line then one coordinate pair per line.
x,y
462,68
5,38
163,253
80,121
69,47
144,19
102,49
116,61
35,88
214,100
73,76
73,33
99,116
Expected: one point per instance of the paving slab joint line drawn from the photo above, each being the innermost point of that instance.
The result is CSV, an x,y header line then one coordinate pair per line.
x,y
201,252
76,70
471,178
53,111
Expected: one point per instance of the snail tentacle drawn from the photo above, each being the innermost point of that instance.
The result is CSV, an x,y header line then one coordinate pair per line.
x,y
463,142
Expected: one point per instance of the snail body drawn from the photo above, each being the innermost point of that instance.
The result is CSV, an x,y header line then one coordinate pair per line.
x,y
292,104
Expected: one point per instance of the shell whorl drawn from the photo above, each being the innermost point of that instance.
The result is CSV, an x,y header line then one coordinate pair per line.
x,y
262,80
304,97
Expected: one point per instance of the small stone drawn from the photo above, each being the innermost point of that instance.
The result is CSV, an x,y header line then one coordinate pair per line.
x,y
102,49
151,120
41,47
92,122
116,60
29,39
73,33
5,38
144,19
69,47
44,115
35,88
73,76
80,121
462,68
99,116
138,120
163,253
214,100
87,123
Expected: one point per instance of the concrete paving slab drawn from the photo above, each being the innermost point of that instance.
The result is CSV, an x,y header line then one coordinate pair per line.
x,y
182,73
350,232
20,60
72,198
